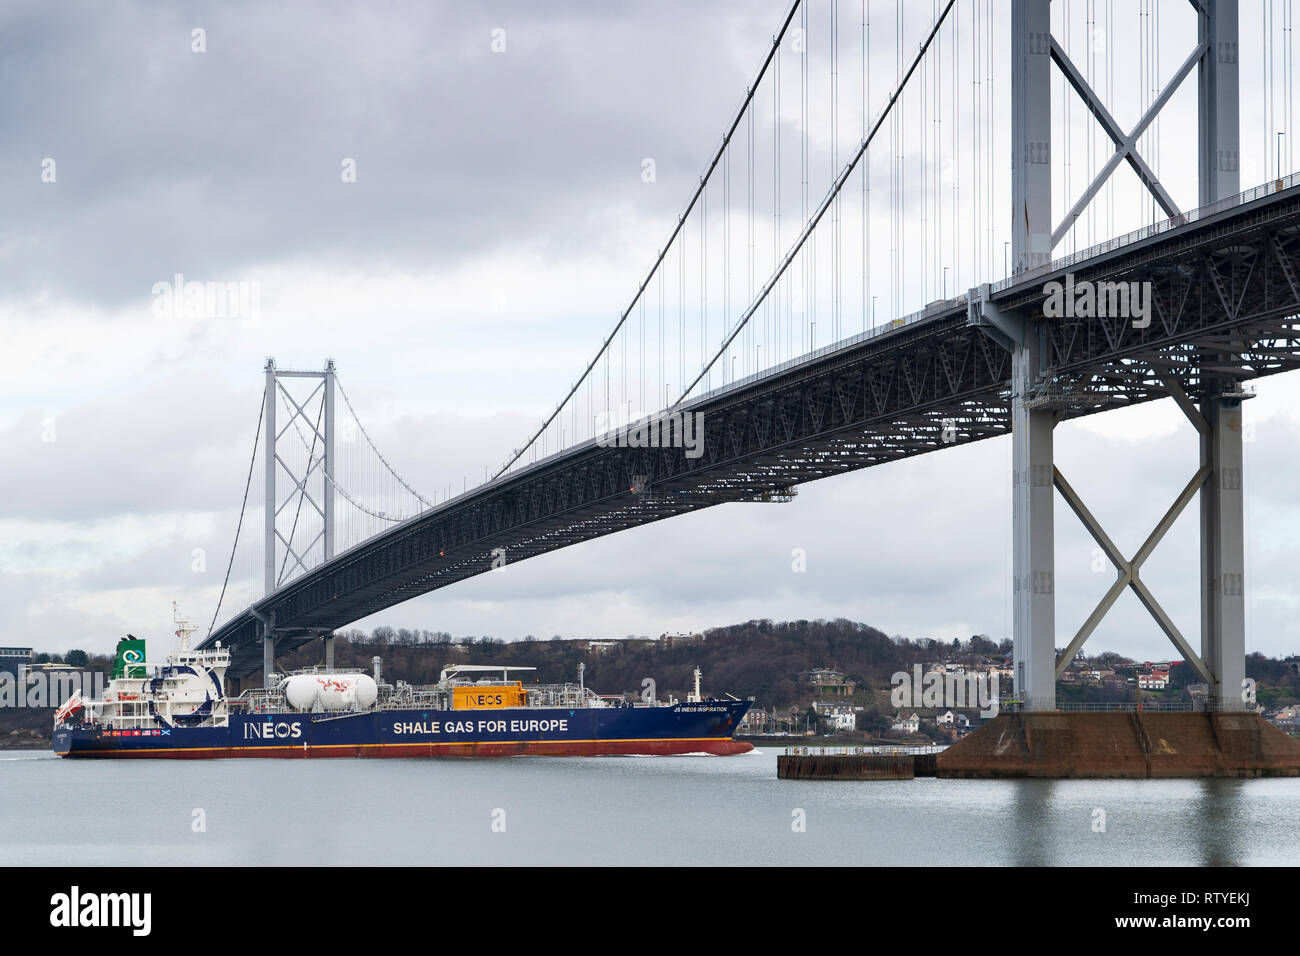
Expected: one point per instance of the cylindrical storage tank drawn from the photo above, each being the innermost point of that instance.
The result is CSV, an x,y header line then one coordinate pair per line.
x,y
330,692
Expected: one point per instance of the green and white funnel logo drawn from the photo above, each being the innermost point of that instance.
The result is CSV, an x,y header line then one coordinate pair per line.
x,y
130,658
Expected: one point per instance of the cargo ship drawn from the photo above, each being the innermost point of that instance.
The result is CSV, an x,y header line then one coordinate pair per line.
x,y
180,710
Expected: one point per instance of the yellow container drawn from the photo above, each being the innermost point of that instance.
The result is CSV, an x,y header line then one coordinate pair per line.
x,y
488,696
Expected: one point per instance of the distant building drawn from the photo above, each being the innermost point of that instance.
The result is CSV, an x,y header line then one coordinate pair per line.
x,y
14,659
824,675
754,721
1285,718
943,667
48,668
831,682
1153,681
839,716
908,725
679,640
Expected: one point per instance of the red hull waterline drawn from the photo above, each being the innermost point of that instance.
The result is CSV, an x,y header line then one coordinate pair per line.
x,y
720,746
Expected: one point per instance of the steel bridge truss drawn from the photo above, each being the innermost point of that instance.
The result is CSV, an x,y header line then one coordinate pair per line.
x,y
1226,308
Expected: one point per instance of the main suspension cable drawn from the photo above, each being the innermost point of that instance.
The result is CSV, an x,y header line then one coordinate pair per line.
x,y
248,483
681,222
373,448
825,204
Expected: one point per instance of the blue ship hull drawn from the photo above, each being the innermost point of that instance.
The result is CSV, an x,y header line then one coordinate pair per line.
x,y
703,727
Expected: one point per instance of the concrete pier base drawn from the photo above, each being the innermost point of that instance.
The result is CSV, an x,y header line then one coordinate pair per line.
x,y
1133,745
897,766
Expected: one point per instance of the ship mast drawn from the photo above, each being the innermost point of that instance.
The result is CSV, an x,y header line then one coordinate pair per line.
x,y
183,627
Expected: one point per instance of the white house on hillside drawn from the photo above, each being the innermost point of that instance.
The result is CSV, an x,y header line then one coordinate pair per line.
x,y
908,725
839,716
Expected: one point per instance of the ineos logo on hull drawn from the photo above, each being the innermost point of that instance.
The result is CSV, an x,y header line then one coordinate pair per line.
x,y
273,731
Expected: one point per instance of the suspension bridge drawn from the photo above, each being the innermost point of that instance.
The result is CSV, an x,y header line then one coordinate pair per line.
x,y
1111,262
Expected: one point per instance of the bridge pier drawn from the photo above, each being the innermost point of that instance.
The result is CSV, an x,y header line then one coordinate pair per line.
x,y
1033,536
1033,540
1223,605
329,651
1033,239
268,652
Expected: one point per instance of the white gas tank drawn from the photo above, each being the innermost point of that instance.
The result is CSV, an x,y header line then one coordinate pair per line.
x,y
316,692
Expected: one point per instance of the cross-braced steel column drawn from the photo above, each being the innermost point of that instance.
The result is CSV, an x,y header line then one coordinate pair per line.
x,y
321,431
1223,605
268,635
1218,98
319,493
269,463
1033,558
268,653
1215,56
327,491
1033,570
1031,133
1129,571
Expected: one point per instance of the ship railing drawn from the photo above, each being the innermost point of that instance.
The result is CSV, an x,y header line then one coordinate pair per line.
x,y
260,700
562,696
323,716
1016,705
409,696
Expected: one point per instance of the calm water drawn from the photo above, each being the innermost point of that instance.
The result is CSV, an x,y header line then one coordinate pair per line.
x,y
655,810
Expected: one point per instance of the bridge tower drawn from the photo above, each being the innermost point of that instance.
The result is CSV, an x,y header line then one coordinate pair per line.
x,y
1034,52
1223,603
313,487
